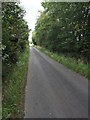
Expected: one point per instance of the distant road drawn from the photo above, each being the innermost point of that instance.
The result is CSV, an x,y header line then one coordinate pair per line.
x,y
54,91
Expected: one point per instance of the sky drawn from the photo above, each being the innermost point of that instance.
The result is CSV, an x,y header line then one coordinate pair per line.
x,y
31,7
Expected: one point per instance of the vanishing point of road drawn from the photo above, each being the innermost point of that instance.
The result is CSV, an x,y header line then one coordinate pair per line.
x,y
54,91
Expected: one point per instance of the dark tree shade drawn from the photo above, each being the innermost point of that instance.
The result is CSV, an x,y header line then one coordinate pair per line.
x,y
15,32
64,27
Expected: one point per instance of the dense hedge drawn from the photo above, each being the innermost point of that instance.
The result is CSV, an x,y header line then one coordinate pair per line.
x,y
15,33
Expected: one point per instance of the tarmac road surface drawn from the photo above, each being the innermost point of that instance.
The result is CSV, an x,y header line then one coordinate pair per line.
x,y
54,91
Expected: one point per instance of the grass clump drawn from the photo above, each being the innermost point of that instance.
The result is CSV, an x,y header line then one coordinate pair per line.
x,y
78,66
13,90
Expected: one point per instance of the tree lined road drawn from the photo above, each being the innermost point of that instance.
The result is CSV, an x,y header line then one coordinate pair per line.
x,y
54,91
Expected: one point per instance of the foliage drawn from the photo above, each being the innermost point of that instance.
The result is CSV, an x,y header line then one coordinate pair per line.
x,y
14,87
64,27
71,63
15,33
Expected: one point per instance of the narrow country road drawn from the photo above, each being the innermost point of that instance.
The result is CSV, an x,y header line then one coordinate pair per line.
x,y
54,91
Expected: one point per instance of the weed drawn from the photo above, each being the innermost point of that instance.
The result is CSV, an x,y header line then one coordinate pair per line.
x,y
78,66
13,90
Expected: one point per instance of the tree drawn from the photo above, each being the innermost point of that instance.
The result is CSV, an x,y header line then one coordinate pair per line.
x,y
64,27
15,33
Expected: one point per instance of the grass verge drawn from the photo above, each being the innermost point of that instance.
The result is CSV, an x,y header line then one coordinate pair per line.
x,y
78,66
13,91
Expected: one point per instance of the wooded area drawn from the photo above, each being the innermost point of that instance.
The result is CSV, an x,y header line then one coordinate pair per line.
x,y
15,34
15,53
64,28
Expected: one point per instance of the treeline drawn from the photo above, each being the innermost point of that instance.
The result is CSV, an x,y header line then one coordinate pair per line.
x,y
15,53
15,34
64,28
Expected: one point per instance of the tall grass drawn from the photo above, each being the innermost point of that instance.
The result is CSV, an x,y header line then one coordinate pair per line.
x,y
13,89
78,66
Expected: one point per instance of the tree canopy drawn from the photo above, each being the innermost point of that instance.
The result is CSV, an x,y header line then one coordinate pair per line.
x,y
15,32
64,27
